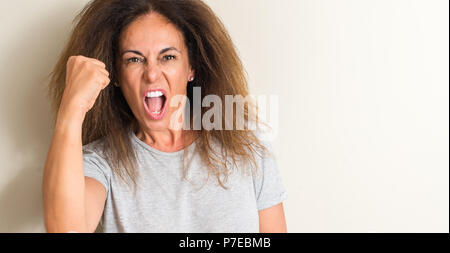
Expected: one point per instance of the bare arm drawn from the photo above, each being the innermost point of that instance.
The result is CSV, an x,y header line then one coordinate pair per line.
x,y
95,197
272,220
63,182
77,204
71,201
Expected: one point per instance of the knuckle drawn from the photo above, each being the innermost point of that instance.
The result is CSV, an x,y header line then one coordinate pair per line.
x,y
99,74
71,61
101,62
83,64
77,59
98,62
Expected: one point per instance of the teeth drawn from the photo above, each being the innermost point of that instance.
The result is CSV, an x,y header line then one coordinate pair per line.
x,y
156,112
154,94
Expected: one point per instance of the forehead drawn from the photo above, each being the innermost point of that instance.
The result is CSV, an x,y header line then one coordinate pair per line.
x,y
151,32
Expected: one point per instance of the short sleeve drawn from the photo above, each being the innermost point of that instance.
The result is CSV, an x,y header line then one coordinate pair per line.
x,y
96,167
269,188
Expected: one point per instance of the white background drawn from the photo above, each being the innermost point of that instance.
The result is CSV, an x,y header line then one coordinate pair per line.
x,y
363,86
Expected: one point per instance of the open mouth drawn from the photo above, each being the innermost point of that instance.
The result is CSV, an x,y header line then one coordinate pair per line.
x,y
155,103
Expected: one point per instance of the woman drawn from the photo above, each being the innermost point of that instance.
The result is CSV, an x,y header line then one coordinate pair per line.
x,y
115,163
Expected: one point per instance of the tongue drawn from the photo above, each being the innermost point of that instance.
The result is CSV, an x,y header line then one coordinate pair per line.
x,y
155,104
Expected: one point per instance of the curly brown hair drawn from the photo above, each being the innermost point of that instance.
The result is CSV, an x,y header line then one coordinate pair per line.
x,y
212,54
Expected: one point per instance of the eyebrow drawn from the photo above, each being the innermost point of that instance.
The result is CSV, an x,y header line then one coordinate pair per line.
x,y
141,54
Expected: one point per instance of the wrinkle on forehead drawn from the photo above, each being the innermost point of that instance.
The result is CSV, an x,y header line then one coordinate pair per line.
x,y
150,29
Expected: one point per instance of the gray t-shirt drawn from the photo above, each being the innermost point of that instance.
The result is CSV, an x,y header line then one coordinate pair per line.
x,y
167,203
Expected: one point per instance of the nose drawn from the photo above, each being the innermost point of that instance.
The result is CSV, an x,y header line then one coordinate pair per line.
x,y
152,71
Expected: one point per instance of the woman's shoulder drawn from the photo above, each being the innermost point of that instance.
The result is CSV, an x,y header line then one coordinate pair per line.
x,y
94,145
94,149
265,140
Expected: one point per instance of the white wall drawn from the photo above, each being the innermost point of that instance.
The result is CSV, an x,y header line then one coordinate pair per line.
x,y
363,123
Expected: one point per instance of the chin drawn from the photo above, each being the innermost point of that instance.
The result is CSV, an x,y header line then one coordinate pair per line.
x,y
157,125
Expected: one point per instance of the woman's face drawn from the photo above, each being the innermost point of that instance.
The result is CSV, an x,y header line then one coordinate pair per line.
x,y
153,67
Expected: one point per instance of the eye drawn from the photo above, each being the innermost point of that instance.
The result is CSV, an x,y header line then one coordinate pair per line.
x,y
133,59
169,57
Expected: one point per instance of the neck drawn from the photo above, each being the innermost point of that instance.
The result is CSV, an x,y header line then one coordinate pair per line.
x,y
166,140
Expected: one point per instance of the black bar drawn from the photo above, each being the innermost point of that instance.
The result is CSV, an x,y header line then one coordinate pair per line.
x,y
230,242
